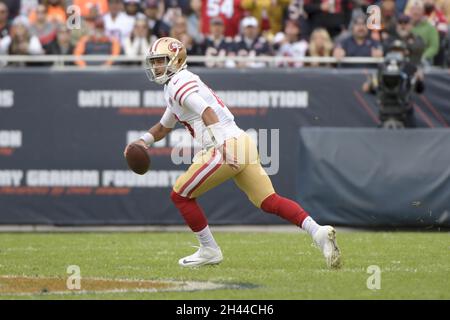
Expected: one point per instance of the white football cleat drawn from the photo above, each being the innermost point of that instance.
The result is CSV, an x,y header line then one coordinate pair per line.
x,y
203,256
325,239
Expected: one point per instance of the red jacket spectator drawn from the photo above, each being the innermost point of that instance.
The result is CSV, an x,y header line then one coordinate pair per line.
x,y
228,10
436,17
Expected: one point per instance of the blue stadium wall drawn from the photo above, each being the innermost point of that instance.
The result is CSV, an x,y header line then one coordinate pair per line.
x,y
62,135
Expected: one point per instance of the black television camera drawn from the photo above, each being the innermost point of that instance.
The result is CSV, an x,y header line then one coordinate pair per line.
x,y
394,84
394,92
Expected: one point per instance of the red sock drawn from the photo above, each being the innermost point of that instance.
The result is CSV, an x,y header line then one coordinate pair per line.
x,y
191,212
284,208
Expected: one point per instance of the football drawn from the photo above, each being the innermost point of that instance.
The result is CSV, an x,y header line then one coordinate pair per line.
x,y
138,158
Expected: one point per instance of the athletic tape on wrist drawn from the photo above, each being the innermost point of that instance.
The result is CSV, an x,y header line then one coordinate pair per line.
x,y
148,138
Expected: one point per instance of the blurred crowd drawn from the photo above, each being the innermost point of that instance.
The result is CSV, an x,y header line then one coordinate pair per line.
x,y
284,28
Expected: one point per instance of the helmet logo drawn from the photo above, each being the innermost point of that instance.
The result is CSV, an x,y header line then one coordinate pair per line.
x,y
173,46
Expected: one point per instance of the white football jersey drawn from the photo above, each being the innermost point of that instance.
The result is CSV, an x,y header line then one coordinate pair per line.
x,y
175,92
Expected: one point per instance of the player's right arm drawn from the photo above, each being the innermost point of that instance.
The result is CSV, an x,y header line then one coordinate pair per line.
x,y
158,131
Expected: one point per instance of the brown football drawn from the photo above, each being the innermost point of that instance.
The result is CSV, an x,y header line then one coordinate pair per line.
x,y
138,158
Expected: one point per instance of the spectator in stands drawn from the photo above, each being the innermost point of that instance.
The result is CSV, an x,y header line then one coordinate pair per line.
x,y
27,6
20,41
193,49
13,8
132,8
414,44
87,5
62,45
426,31
178,28
320,45
87,24
42,27
151,11
137,44
291,44
358,44
193,21
117,23
184,5
251,43
360,6
388,18
269,13
433,12
231,15
4,23
444,6
56,11
438,19
332,15
295,10
216,44
98,43
179,31
400,6
172,12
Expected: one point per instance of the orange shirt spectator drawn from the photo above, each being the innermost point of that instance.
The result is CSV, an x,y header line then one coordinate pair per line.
x,y
85,6
98,43
56,11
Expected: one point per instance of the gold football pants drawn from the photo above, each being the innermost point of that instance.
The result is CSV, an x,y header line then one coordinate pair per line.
x,y
208,171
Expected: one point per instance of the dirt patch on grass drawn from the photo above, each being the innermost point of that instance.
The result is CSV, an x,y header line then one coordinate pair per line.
x,y
22,285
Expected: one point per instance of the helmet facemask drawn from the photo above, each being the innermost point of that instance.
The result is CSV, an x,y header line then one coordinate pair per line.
x,y
168,68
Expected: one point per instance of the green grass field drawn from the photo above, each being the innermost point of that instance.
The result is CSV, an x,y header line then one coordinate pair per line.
x,y
280,265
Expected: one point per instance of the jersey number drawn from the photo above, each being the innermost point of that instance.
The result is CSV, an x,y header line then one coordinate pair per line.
x,y
217,7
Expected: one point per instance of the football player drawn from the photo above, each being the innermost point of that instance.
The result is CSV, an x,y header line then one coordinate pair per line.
x,y
228,153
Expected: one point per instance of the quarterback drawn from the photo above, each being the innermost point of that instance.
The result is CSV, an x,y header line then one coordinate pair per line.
x,y
227,153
